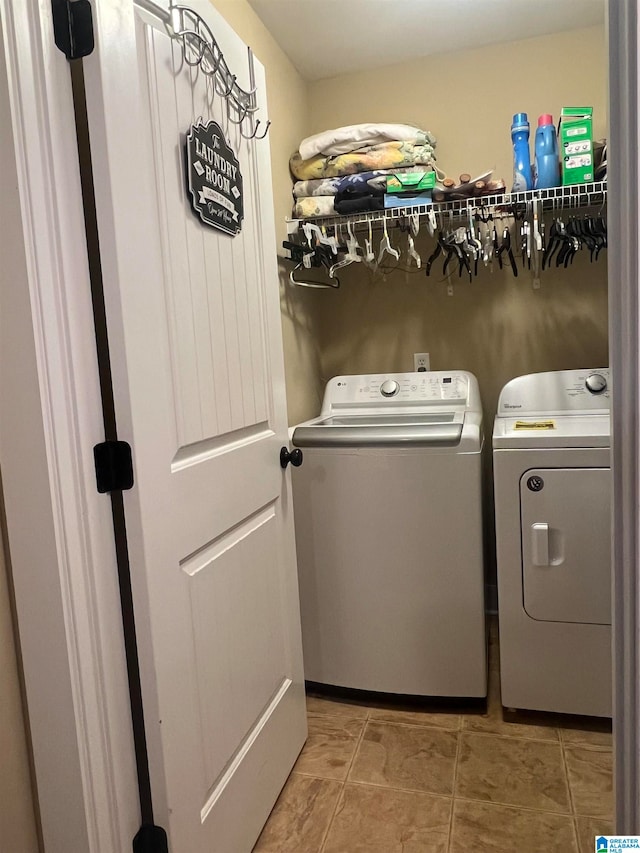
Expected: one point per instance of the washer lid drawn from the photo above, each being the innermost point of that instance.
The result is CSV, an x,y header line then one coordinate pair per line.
x,y
552,431
397,429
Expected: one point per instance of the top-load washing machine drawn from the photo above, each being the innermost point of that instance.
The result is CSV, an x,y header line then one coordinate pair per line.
x,y
389,535
552,480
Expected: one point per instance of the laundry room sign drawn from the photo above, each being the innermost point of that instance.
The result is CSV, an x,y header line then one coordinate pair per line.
x,y
214,181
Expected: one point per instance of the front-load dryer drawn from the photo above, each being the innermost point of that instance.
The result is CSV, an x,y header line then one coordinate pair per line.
x,y
551,459
388,515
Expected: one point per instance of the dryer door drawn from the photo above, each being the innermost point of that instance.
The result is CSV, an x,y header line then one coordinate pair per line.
x,y
566,544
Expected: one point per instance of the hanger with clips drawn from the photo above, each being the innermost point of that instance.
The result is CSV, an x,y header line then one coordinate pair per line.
x,y
385,245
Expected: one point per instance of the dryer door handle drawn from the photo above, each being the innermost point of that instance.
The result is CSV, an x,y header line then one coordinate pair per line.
x,y
540,544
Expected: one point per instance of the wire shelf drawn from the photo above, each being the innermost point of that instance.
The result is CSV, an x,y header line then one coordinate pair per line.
x,y
555,198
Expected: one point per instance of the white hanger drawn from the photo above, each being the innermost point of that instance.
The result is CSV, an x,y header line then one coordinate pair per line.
x,y
412,252
351,257
331,241
385,245
310,228
414,228
369,257
431,222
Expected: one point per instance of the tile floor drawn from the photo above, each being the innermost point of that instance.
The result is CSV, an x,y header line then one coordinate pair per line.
x,y
379,780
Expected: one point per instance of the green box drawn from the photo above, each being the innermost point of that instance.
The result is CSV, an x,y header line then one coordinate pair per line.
x,y
411,182
576,145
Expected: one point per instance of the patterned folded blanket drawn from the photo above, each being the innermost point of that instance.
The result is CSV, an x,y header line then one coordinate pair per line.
x,y
341,140
387,155
333,186
322,205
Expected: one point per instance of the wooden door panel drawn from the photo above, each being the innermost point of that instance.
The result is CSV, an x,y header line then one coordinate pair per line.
x,y
217,337
235,640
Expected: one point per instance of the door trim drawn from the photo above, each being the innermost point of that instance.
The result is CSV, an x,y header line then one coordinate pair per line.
x,y
59,528
624,346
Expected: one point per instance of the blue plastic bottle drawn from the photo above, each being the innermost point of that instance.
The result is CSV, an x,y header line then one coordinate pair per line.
x,y
547,163
522,179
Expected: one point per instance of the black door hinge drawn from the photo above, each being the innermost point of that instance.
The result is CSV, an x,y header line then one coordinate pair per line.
x,y
114,466
150,839
73,27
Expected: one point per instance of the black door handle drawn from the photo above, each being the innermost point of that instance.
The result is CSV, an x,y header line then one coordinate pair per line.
x,y
295,457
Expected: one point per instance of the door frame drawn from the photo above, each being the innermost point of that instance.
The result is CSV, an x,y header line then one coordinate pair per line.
x,y
65,576
624,346
59,529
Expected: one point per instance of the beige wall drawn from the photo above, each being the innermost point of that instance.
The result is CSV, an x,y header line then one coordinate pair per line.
x,y
288,100
17,821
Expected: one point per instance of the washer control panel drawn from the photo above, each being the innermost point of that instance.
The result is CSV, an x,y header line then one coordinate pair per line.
x,y
425,388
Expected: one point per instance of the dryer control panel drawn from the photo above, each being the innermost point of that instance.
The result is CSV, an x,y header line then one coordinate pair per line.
x,y
427,388
557,392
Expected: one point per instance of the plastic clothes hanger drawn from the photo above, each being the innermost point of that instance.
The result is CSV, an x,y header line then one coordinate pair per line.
x,y
436,252
351,255
505,246
317,285
385,245
331,241
369,256
309,229
487,243
432,223
413,255
414,228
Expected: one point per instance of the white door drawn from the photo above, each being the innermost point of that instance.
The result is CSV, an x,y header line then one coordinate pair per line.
x,y
196,353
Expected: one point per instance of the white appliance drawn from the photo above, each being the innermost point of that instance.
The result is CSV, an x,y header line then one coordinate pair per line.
x,y
553,536
389,535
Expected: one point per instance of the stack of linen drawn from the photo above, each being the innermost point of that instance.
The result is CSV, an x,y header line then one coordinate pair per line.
x,y
345,170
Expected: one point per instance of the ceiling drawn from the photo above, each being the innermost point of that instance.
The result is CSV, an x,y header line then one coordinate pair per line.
x,y
324,38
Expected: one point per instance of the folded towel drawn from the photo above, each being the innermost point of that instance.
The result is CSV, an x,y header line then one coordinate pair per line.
x,y
342,140
331,186
387,155
357,200
322,205
407,199
359,204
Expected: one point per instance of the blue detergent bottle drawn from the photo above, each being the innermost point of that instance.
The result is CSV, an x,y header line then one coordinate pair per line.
x,y
547,163
522,178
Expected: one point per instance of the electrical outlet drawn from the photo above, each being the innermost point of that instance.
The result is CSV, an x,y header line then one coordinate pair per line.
x,y
421,361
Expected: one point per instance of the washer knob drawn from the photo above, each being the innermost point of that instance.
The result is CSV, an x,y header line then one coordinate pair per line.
x,y
596,383
389,388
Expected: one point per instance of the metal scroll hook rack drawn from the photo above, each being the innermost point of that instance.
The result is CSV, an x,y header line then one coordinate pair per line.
x,y
201,50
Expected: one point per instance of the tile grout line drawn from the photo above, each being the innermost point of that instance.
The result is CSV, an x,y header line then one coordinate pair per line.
x,y
568,814
455,786
464,799
574,818
344,782
571,744
566,776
